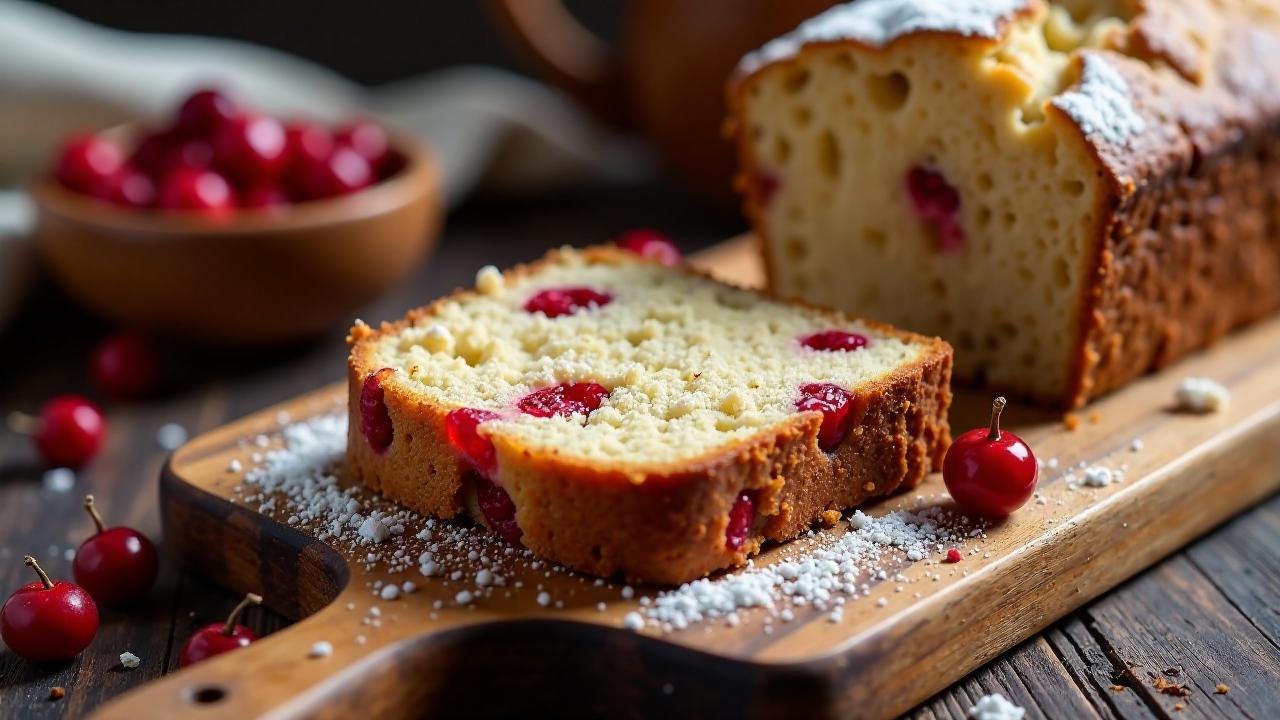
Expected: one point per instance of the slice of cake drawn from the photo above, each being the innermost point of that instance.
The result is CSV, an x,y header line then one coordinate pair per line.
x,y
623,417
1072,193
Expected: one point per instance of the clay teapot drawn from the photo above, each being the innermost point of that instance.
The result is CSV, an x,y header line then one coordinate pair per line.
x,y
666,76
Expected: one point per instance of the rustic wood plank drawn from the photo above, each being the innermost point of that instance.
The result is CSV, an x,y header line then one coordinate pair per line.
x,y
1161,626
1095,673
1242,560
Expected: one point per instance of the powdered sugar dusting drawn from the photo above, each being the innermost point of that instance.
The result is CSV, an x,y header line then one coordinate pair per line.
x,y
879,22
1100,103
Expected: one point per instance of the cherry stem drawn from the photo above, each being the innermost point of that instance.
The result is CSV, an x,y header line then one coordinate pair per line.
x,y
44,577
93,512
234,617
23,424
996,408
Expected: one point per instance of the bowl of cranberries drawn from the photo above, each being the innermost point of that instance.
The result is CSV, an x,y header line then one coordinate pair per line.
x,y
229,226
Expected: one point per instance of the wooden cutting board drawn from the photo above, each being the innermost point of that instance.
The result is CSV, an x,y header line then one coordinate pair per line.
x,y
425,654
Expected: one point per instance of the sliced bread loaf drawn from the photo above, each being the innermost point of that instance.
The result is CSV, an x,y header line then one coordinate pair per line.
x,y
619,416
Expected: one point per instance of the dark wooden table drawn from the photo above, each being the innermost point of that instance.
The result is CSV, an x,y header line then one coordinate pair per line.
x,y
1208,615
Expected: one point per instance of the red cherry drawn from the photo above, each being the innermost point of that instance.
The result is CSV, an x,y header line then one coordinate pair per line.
x,y
462,428
263,197
989,471
954,555
563,301
188,155
201,190
498,510
132,189
118,565
367,138
835,340
375,421
741,515
87,164
834,402
307,147
218,638
48,620
151,153
937,202
564,400
343,172
124,366
204,111
249,148
651,245
68,432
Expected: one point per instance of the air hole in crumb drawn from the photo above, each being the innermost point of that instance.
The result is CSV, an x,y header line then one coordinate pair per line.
x,y
1061,272
889,92
1008,219
781,150
984,181
1074,188
984,217
845,61
875,238
795,248
796,81
802,115
829,155
938,287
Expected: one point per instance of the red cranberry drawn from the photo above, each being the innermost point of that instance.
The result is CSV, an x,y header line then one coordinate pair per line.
x,y
741,515
462,427
69,431
835,404
201,190
990,471
124,366
954,555
48,620
204,111
498,510
562,301
187,154
767,185
367,138
345,171
937,203
264,196
249,148
307,146
132,189
88,164
117,565
375,421
564,400
835,340
651,245
217,638
151,153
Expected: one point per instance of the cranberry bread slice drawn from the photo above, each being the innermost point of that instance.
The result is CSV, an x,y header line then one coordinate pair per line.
x,y
623,417
1073,193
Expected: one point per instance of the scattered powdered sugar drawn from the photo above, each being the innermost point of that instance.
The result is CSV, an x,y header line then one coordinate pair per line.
x,y
838,568
129,660
1098,476
995,707
1202,395
1100,103
879,22
322,649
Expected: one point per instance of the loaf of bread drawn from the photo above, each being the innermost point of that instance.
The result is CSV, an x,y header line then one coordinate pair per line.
x,y
623,417
1072,193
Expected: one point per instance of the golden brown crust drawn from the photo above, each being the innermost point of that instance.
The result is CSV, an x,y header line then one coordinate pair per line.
x,y
1187,242
659,523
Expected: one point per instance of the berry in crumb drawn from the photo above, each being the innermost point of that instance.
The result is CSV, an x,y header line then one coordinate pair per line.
x,y
652,245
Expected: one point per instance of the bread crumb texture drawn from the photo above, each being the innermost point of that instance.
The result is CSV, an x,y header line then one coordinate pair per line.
x,y
691,365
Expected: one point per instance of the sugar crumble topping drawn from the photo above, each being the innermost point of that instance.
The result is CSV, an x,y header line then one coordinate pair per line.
x,y
1202,395
995,707
879,22
1100,104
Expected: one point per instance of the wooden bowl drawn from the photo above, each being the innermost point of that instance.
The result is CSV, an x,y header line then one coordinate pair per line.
x,y
256,277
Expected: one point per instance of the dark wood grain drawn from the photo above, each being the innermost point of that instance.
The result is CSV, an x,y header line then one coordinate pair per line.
x,y
1067,669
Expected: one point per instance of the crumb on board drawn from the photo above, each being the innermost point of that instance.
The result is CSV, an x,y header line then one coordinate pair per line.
x,y
1071,422
1222,689
1168,688
1095,417
57,692
1117,688
830,517
1179,707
